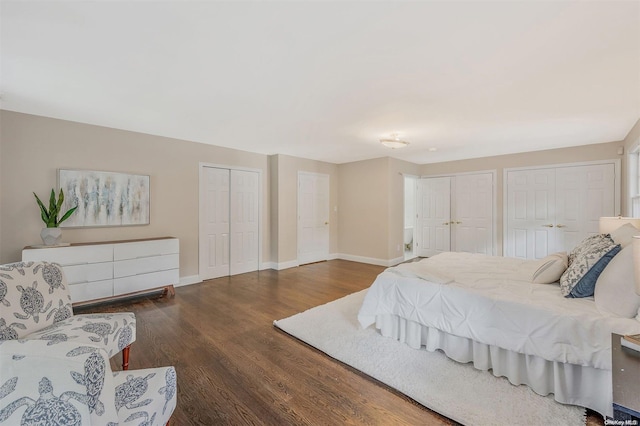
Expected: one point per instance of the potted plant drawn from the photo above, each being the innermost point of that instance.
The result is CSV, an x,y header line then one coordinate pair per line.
x,y
52,234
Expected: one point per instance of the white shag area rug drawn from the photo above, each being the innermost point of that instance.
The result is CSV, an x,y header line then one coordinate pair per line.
x,y
455,390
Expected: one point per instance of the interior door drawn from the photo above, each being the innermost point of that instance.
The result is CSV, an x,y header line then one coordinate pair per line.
x,y
313,217
433,211
472,218
531,213
214,223
583,195
244,221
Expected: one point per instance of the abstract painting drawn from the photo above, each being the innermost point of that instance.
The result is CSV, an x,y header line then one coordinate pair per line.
x,y
104,198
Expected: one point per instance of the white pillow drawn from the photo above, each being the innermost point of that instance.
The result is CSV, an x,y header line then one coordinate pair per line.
x,y
549,269
615,291
624,234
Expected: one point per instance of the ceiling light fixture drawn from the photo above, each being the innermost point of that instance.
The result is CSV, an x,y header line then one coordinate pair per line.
x,y
394,142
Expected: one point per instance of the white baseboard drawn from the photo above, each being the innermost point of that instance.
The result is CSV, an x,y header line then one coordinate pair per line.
x,y
193,279
268,265
396,261
286,265
370,260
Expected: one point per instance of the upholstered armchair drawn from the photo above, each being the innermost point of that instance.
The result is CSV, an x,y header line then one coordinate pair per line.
x,y
35,304
57,382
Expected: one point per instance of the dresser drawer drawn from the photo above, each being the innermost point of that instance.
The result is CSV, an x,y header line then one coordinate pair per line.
x,y
145,281
73,255
144,265
90,291
148,248
78,274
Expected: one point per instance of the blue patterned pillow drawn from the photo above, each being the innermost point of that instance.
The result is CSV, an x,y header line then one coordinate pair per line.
x,y
587,261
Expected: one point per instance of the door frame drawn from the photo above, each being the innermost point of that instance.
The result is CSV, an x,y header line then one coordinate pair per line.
x,y
201,166
494,196
617,185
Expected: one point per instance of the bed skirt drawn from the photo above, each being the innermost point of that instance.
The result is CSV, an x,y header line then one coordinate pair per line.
x,y
569,383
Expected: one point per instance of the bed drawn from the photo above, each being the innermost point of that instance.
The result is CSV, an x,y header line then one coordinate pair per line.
x,y
534,322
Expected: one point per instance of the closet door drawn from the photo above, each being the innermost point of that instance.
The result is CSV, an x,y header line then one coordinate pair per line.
x,y
552,209
243,213
433,211
229,222
472,217
531,213
214,223
583,195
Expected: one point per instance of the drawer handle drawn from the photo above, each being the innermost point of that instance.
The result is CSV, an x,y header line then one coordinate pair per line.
x,y
79,282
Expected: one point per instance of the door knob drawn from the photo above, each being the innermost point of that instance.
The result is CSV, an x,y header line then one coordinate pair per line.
x,y
446,223
561,226
548,225
326,223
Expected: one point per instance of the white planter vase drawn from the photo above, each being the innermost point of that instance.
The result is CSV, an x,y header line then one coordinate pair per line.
x,y
51,236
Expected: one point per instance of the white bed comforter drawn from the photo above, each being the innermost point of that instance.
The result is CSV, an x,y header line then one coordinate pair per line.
x,y
482,298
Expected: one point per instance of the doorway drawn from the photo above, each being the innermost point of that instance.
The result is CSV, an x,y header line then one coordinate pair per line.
x,y
410,188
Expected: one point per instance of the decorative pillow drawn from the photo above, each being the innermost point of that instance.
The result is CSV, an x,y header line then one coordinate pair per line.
x,y
615,289
550,268
624,234
584,245
588,261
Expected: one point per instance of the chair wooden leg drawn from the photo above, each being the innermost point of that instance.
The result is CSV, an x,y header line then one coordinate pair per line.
x,y
125,358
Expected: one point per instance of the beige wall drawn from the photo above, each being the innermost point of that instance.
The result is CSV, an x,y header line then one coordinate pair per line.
x,y
633,137
371,207
363,208
604,151
33,148
286,222
369,194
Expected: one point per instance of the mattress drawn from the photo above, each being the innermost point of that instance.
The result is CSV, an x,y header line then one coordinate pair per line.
x,y
483,298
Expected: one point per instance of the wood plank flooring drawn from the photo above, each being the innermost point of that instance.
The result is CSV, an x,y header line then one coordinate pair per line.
x,y
235,368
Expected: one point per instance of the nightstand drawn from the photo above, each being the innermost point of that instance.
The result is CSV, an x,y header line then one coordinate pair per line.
x,y
626,381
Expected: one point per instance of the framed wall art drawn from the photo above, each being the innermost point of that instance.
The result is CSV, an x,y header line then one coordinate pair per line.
x,y
104,198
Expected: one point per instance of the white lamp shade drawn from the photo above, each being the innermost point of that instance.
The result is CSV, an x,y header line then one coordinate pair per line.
x,y
610,224
636,262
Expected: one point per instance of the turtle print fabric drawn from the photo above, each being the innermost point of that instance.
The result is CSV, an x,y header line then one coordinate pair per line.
x,y
35,304
71,384
33,296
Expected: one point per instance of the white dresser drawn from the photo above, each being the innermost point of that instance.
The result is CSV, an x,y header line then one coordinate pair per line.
x,y
114,268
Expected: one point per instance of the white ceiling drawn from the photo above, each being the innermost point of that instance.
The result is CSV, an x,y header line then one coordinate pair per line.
x,y
326,80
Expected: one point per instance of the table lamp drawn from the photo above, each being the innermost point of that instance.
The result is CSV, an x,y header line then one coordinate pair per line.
x,y
610,224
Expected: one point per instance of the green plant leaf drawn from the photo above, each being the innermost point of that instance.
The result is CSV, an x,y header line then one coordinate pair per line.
x,y
60,201
52,204
43,210
50,217
67,214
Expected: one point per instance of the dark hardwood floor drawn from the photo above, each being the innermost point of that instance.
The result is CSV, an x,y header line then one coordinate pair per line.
x,y
234,367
